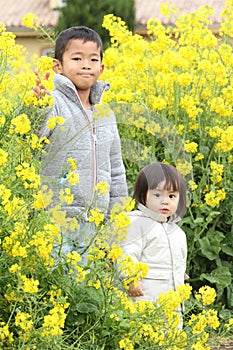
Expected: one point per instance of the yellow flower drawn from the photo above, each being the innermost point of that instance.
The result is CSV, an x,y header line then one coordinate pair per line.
x,y
53,121
184,291
168,9
5,333
225,143
28,175
3,157
42,198
183,166
66,196
185,79
55,321
2,121
199,156
190,147
30,20
73,257
207,294
126,344
200,325
192,185
102,188
96,216
97,284
14,268
114,316
29,285
158,103
23,320
72,163
20,124
229,324
115,252
73,178
212,318
58,216
213,198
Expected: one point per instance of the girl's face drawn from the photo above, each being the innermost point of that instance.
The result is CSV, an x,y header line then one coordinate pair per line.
x,y
162,200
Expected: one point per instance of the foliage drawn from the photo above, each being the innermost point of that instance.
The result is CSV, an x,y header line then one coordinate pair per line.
x,y
176,89
51,299
91,13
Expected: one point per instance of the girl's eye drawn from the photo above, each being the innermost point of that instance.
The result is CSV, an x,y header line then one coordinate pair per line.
x,y
157,195
172,196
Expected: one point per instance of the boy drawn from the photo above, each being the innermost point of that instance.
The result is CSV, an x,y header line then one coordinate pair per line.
x,y
93,142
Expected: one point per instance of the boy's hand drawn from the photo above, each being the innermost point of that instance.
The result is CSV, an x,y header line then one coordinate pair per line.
x,y
136,291
39,90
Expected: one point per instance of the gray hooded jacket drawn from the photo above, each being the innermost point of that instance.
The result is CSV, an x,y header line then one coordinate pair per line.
x,y
93,142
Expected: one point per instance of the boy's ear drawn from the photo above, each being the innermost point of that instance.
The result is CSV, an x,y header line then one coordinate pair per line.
x,y
57,67
101,68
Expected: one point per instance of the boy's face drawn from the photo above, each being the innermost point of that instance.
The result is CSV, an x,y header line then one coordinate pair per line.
x,y
81,63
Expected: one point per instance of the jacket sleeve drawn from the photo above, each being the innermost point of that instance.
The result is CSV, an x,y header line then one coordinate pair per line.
x,y
48,112
133,244
118,186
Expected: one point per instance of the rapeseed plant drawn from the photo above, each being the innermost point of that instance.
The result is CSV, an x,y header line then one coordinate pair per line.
x,y
176,96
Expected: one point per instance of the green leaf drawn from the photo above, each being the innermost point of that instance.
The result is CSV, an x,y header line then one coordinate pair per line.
x,y
86,308
210,244
198,220
220,276
124,324
227,250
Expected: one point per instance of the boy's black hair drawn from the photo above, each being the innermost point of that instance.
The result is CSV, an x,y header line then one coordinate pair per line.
x,y
80,32
150,177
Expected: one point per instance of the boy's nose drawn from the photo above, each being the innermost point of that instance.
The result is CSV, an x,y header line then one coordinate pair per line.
x,y
85,67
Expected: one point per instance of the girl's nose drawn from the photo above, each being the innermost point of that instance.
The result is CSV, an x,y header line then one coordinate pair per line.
x,y
164,200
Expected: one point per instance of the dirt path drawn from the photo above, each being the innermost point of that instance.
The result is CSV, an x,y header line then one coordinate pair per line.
x,y
228,346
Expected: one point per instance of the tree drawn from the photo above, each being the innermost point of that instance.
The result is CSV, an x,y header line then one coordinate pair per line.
x,y
90,13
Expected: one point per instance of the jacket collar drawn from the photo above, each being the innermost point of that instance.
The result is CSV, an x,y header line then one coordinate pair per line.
x,y
155,216
151,214
66,86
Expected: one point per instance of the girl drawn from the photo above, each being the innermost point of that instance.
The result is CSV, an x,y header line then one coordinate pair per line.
x,y
153,236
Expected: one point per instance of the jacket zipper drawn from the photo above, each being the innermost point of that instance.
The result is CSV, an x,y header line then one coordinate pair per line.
x,y
93,131
94,137
94,144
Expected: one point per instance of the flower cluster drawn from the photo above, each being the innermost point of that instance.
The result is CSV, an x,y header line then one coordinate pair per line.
x,y
173,91
178,89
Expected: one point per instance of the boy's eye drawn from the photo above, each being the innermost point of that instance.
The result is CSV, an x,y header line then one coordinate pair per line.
x,y
76,58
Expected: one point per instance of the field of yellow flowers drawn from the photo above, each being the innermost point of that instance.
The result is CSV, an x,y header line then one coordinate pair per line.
x,y
173,100
173,95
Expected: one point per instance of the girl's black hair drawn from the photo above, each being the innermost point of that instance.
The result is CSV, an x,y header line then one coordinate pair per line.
x,y
82,33
150,177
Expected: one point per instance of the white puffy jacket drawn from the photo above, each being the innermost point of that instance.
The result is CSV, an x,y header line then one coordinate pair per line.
x,y
159,244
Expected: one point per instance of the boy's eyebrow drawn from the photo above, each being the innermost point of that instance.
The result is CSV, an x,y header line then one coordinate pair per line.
x,y
82,52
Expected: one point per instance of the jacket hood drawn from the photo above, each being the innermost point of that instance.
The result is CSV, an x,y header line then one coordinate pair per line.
x,y
66,86
155,216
